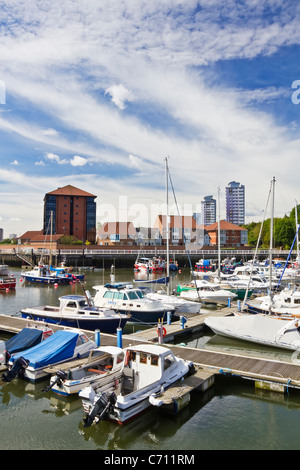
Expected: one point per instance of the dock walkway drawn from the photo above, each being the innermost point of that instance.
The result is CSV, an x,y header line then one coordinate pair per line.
x,y
275,373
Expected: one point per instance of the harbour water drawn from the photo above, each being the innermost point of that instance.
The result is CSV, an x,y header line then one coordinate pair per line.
x,y
233,415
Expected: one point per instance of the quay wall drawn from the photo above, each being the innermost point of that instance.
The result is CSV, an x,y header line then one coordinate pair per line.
x,y
123,256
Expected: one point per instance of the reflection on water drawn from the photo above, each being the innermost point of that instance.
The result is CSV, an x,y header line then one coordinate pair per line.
x,y
231,415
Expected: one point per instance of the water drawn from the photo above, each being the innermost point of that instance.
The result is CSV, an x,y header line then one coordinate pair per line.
x,y
232,415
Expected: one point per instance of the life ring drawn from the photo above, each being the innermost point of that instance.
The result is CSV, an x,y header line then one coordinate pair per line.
x,y
164,331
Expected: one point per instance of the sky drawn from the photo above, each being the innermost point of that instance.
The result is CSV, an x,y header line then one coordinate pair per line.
x,y
97,94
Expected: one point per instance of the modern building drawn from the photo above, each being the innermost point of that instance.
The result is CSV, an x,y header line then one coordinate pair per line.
x,y
73,213
208,208
235,203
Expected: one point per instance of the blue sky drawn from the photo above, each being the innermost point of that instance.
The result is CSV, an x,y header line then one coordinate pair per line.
x,y
98,93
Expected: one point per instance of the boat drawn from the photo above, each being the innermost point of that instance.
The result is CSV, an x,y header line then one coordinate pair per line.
x,y
152,265
4,270
204,291
124,298
64,272
147,370
41,274
161,280
260,329
173,301
7,283
103,366
62,346
286,302
204,265
25,339
7,280
78,311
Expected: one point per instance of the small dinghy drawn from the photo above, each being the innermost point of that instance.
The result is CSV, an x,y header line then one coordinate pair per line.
x,y
103,366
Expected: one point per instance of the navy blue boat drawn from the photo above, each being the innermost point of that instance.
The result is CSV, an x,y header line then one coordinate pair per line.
x,y
77,311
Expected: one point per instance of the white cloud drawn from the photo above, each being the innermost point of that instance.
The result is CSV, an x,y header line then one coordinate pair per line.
x,y
78,161
119,95
55,158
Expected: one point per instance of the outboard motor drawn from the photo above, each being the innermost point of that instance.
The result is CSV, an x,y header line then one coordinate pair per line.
x,y
100,408
18,369
61,376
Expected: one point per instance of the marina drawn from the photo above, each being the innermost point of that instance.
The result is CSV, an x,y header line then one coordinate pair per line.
x,y
216,372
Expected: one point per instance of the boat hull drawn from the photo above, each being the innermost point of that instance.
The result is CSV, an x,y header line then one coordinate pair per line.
x,y
105,325
7,284
45,279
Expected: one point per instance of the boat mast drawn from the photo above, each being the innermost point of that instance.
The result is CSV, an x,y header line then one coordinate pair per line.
x,y
51,229
271,237
167,222
219,236
297,230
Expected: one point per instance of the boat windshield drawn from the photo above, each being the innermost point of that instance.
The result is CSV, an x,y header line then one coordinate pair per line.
x,y
132,295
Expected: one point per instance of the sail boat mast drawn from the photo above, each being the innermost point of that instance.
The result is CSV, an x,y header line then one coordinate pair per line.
x,y
167,222
271,236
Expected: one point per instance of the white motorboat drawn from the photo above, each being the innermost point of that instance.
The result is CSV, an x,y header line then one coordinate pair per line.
x,y
41,274
261,329
173,301
286,302
204,291
60,347
103,366
147,369
78,311
123,298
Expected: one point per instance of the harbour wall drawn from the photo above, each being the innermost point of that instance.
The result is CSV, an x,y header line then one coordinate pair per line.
x,y
125,256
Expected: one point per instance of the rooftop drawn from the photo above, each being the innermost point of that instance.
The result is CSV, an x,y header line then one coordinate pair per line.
x,y
70,190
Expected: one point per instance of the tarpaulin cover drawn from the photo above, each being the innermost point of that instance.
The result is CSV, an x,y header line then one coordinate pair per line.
x,y
57,348
257,328
27,338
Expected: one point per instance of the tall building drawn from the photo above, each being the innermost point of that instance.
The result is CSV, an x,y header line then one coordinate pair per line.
x,y
235,203
208,208
74,213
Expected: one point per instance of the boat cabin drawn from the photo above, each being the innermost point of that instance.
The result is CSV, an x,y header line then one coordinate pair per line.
x,y
144,365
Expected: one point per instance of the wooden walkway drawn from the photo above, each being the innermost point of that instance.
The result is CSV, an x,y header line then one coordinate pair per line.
x,y
268,371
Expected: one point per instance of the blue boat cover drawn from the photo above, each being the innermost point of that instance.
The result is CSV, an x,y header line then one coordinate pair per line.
x,y
57,348
27,338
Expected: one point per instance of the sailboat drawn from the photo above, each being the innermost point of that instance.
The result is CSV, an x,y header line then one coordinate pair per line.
x,y
42,274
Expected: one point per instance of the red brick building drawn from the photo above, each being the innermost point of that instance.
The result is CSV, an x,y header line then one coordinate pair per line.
x,y
74,213
230,234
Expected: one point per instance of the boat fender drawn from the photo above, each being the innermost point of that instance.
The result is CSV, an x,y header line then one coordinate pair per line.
x,y
18,369
155,401
164,331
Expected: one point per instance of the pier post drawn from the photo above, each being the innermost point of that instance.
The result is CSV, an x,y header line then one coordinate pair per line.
x,y
160,333
97,337
119,338
168,318
182,321
228,302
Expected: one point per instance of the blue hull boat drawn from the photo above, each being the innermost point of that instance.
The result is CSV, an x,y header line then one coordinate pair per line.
x,y
75,311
